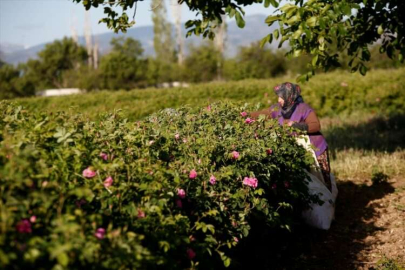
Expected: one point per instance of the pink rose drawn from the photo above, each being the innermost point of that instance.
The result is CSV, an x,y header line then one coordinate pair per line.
x,y
209,108
248,120
274,186
236,239
190,253
108,182
151,142
104,156
141,214
243,114
89,173
181,193
24,226
286,184
213,180
179,203
177,136
193,174
235,154
269,151
100,233
184,140
33,219
251,182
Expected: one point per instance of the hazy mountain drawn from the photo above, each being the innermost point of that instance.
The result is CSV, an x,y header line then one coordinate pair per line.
x,y
254,30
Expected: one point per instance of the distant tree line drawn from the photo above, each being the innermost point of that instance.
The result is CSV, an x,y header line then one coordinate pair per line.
x,y
63,64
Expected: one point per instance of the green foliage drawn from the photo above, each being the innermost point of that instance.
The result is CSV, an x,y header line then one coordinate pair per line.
x,y
13,84
123,67
54,60
255,62
389,264
152,212
201,65
320,28
331,94
163,42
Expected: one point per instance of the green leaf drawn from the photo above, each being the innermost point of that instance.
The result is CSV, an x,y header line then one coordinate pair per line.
x,y
363,70
380,30
311,22
315,60
239,20
276,33
63,259
264,40
271,19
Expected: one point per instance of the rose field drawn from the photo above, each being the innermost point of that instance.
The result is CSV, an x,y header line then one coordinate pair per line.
x,y
182,178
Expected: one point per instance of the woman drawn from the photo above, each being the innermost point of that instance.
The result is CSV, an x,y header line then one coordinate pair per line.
x,y
292,111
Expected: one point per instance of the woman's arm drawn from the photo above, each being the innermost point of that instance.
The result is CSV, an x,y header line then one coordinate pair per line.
x,y
266,112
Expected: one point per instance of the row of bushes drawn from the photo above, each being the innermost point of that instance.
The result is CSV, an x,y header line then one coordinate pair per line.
x,y
176,190
330,94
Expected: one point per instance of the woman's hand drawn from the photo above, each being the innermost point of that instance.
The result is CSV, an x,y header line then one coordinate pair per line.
x,y
290,123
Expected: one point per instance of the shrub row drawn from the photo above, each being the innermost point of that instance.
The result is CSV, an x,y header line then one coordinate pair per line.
x,y
335,93
175,190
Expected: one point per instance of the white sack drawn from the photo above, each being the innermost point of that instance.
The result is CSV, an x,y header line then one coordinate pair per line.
x,y
319,216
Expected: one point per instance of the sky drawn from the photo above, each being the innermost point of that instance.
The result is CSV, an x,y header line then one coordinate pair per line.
x,y
32,22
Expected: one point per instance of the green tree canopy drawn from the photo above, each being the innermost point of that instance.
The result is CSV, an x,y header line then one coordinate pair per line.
x,y
56,59
319,28
123,67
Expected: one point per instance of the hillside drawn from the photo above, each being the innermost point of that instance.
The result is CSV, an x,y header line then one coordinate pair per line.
x,y
254,30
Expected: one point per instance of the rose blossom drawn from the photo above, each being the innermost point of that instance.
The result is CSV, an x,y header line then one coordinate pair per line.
x,y
108,182
243,114
248,120
236,239
213,180
235,154
89,173
181,193
24,226
286,184
251,182
209,108
193,174
177,136
33,219
104,156
141,214
190,253
269,151
100,233
274,186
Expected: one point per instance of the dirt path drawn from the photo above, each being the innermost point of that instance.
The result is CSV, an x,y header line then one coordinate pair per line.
x,y
370,224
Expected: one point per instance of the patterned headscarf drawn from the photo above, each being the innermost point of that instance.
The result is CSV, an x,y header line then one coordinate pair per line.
x,y
291,94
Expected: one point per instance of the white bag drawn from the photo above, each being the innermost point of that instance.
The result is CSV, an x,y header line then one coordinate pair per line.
x,y
319,216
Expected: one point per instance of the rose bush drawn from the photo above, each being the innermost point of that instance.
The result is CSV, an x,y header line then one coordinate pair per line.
x,y
176,190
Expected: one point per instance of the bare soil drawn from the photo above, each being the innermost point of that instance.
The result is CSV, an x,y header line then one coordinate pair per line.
x,y
369,226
